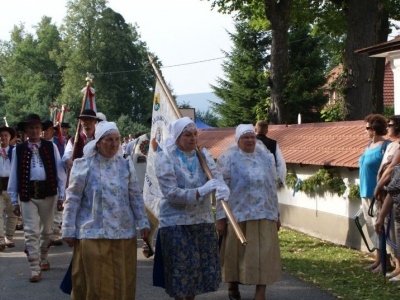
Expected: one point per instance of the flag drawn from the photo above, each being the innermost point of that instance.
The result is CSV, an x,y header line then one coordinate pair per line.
x,y
162,115
90,101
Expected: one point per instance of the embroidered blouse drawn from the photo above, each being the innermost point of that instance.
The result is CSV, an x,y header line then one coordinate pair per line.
x,y
179,205
103,200
251,178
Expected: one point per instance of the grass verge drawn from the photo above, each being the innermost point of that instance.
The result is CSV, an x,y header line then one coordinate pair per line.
x,y
336,269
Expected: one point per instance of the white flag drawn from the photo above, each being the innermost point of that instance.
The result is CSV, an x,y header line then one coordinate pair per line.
x,y
163,114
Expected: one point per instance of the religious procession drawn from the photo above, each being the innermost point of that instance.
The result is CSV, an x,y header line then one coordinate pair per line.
x,y
84,191
203,221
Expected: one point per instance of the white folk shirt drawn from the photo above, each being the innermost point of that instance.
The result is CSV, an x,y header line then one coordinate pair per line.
x,y
37,172
5,163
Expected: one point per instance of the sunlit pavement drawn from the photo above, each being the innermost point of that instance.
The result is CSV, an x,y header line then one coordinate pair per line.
x,y
14,284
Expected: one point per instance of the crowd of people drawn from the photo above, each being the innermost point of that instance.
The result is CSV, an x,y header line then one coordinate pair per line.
x,y
379,190
87,190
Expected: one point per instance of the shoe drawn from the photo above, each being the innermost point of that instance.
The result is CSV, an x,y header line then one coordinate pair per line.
x,y
44,265
392,274
147,251
36,276
9,243
19,227
394,279
234,294
56,241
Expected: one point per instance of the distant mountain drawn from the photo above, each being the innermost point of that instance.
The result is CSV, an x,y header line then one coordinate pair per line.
x,y
200,101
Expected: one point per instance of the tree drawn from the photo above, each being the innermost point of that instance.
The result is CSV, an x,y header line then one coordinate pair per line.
x,y
97,39
30,75
307,60
208,117
277,12
245,68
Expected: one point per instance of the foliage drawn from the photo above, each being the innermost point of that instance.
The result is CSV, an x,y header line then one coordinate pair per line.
x,y
388,111
323,180
307,67
246,85
25,62
334,112
336,269
354,191
208,117
126,126
97,39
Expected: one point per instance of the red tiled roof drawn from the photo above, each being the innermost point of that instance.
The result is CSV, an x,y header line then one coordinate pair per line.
x,y
388,86
330,144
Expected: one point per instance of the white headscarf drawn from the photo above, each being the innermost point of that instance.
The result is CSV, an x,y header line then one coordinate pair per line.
x,y
175,129
103,128
242,129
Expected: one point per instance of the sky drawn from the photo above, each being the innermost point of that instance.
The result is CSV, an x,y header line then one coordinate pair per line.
x,y
177,31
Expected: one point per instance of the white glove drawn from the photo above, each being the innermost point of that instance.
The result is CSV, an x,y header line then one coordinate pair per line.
x,y
222,193
208,187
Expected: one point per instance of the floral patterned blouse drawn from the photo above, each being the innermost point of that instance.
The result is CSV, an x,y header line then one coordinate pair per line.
x,y
179,205
251,178
103,200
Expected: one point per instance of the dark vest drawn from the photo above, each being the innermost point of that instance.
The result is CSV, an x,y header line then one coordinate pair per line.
x,y
79,147
269,143
60,146
10,151
24,157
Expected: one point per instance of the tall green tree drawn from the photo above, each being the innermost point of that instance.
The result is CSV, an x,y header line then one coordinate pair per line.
x,y
99,41
246,85
308,58
30,75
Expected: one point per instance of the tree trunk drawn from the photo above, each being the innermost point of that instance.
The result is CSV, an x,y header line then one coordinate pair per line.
x,y
278,13
368,24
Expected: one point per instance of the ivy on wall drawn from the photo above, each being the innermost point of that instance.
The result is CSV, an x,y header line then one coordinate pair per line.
x,y
323,181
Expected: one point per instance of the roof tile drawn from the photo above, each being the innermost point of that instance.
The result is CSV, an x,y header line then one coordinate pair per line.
x,y
329,144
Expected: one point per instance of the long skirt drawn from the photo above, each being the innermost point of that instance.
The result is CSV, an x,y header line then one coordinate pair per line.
x,y
104,269
191,262
259,262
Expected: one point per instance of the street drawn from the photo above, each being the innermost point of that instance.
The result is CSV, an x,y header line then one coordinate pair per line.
x,y
14,284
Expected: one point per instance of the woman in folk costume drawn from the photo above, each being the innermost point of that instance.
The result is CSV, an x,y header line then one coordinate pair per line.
x,y
187,235
102,208
250,173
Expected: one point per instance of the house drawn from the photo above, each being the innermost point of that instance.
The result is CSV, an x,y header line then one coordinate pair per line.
x,y
388,85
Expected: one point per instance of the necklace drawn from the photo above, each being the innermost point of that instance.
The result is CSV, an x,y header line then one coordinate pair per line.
x,y
191,167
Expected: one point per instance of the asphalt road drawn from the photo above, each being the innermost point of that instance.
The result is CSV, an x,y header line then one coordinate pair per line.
x,y
14,284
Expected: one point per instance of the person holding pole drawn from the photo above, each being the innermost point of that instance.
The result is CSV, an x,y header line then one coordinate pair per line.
x,y
88,121
249,171
187,237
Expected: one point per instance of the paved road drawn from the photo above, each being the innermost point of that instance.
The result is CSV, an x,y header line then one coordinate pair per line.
x,y
14,284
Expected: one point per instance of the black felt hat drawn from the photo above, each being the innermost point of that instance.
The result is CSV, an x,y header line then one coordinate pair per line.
x,y
10,130
47,124
88,113
30,119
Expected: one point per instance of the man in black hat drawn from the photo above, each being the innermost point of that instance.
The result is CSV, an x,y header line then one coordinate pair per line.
x,y
64,132
48,135
36,175
6,134
88,120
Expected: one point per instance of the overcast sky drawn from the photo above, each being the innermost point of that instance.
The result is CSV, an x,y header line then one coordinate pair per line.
x,y
178,31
